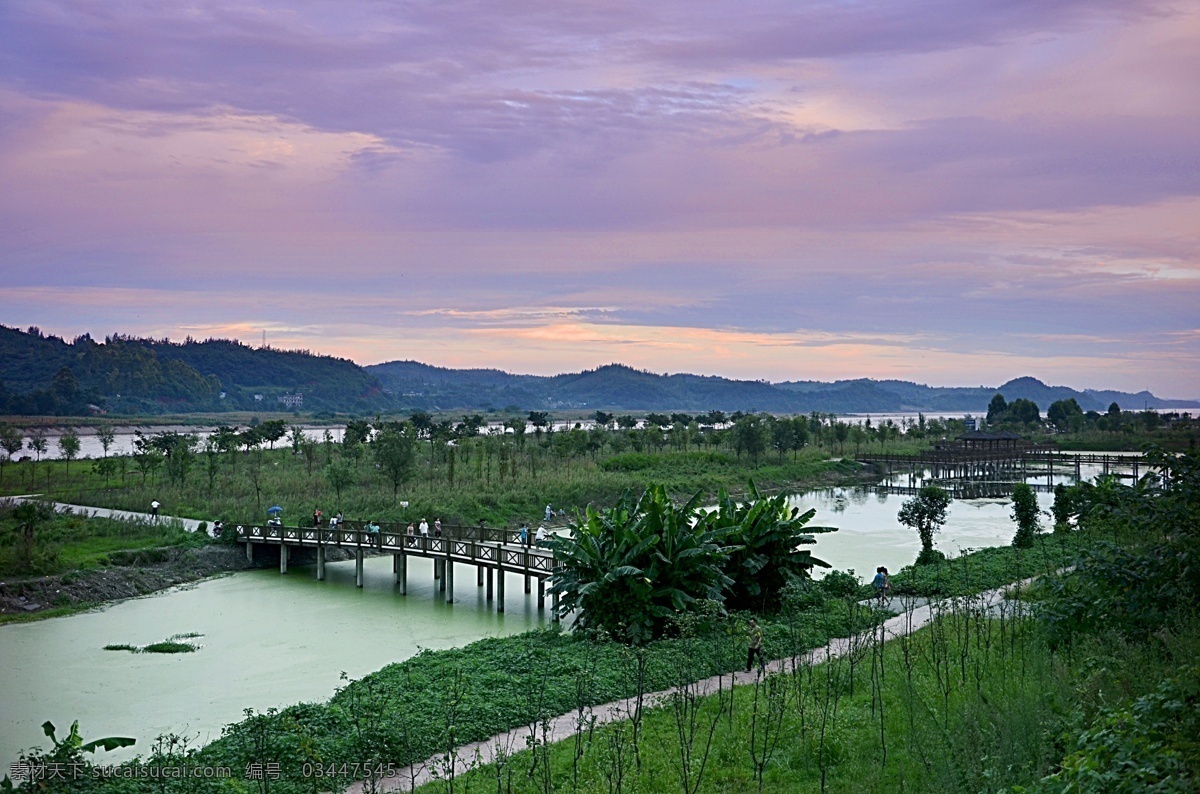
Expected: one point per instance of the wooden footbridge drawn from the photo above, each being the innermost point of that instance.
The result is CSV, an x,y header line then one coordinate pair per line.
x,y
968,473
492,552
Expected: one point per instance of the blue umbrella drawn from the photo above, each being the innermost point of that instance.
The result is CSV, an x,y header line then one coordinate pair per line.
x,y
275,509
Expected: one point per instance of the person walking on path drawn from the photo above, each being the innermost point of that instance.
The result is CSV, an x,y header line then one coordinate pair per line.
x,y
541,536
881,584
424,529
523,536
437,527
756,638
316,516
154,509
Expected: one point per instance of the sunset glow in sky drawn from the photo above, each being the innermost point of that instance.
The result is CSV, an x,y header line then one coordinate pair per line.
x,y
946,191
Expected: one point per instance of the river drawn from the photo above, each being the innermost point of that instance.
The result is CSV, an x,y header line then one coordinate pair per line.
x,y
271,640
268,640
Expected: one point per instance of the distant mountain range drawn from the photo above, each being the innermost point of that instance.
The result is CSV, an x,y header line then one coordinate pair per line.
x,y
622,388
45,374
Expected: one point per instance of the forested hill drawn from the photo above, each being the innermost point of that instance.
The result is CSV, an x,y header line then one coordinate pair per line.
x,y
47,375
417,385
41,374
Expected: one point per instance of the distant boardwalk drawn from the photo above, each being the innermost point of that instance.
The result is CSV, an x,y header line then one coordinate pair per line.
x,y
984,471
492,552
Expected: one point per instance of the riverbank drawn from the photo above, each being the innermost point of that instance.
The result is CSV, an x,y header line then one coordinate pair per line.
x,y
131,573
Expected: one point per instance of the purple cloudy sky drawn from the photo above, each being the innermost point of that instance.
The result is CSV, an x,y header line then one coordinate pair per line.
x,y
945,191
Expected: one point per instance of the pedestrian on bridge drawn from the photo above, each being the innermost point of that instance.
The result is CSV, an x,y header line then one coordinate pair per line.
x,y
523,535
424,529
437,527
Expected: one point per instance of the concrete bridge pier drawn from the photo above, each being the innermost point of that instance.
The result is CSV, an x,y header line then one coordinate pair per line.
x,y
489,585
554,606
400,571
249,551
320,563
541,593
499,588
448,579
439,567
283,557
526,563
358,567
479,576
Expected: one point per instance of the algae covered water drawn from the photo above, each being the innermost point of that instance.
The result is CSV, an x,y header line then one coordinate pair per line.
x,y
267,641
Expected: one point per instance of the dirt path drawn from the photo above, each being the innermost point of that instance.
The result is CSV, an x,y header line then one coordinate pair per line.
x,y
914,615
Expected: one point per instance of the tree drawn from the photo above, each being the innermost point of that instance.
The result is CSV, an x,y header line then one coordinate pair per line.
x,y
750,435
799,435
296,437
105,468
340,477
763,535
1064,507
781,436
68,446
1065,415
106,437
178,453
926,512
1024,411
272,431
841,431
37,442
212,460
395,453
358,431
630,569
540,420
1025,513
309,450
254,470
996,409
11,442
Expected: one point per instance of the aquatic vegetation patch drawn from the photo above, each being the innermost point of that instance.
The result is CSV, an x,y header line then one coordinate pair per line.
x,y
173,644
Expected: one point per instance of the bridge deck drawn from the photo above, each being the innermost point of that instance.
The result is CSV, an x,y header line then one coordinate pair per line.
x,y
492,554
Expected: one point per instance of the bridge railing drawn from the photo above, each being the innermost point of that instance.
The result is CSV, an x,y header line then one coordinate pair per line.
x,y
509,555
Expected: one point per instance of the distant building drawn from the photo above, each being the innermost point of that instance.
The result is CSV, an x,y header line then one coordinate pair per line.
x,y
258,398
292,400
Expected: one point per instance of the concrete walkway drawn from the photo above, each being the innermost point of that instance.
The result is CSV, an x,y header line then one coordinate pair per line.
x,y
189,524
913,616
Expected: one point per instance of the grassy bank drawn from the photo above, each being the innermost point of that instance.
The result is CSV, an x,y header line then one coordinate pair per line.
x,y
38,542
240,487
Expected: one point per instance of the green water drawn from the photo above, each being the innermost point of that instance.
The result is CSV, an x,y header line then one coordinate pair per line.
x,y
269,640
